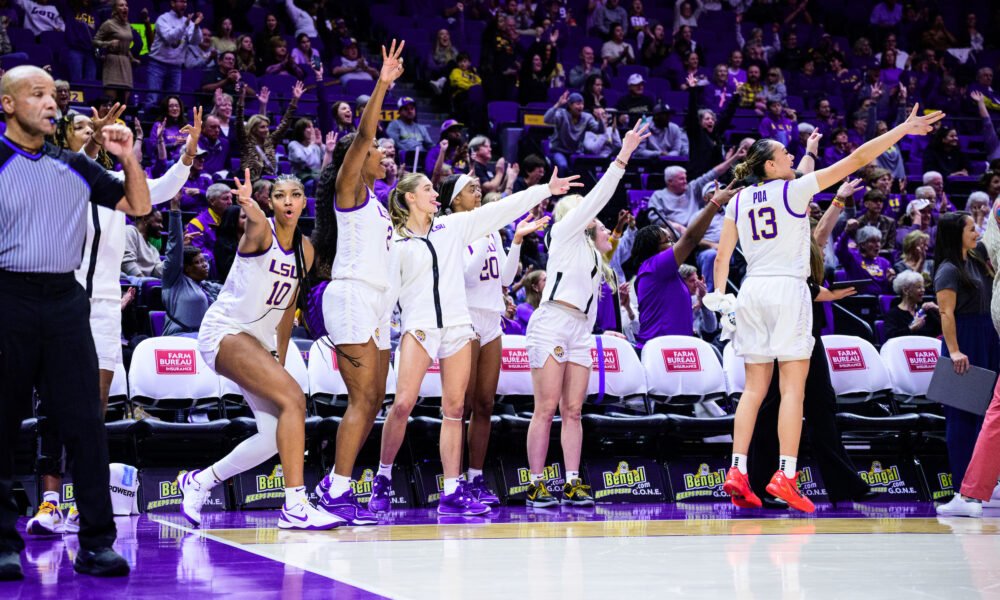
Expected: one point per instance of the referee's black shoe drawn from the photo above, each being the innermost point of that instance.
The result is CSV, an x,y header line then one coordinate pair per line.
x,y
102,562
10,566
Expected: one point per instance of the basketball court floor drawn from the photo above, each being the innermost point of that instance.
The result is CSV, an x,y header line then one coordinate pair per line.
x,y
612,551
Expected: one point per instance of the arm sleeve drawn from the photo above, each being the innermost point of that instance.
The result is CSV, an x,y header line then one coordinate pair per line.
x,y
664,264
491,217
286,122
990,137
162,189
105,189
800,192
511,261
551,115
683,145
623,251
946,278
576,220
173,262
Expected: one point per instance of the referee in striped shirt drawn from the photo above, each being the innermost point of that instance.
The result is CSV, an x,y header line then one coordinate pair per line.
x,y
45,340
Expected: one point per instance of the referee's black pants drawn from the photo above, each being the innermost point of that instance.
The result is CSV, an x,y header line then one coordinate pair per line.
x,y
820,411
46,344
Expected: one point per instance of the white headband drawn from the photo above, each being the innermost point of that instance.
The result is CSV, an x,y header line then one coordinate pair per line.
x,y
463,180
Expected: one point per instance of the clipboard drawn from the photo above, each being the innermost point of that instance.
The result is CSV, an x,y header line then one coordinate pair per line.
x,y
971,391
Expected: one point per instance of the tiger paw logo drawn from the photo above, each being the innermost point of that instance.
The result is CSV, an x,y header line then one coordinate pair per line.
x,y
378,334
274,481
419,334
363,486
558,352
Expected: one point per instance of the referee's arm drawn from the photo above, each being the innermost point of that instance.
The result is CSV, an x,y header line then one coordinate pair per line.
x,y
118,141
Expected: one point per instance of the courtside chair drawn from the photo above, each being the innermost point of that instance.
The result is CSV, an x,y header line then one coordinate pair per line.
x,y
514,384
910,362
325,384
856,369
168,372
682,369
624,380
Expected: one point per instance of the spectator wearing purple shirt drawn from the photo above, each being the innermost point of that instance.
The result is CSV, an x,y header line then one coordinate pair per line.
x,y
216,147
776,125
887,14
720,89
454,155
858,134
984,86
193,192
384,186
826,121
663,297
864,262
219,197
839,148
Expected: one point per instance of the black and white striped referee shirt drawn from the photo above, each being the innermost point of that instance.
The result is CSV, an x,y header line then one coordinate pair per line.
x,y
43,202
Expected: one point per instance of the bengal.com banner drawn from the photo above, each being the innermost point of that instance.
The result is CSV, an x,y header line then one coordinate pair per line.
x,y
937,474
698,481
264,485
517,477
625,480
400,492
160,492
893,479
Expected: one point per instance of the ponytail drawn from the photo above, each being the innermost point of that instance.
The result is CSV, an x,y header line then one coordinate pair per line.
x,y
398,210
751,170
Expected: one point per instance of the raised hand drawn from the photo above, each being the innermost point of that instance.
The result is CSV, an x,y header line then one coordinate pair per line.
x,y
634,137
978,97
117,140
623,216
563,99
561,185
529,225
723,195
876,91
331,141
193,130
812,144
244,195
113,114
691,80
189,236
512,171
264,94
298,89
392,62
921,125
848,188
161,132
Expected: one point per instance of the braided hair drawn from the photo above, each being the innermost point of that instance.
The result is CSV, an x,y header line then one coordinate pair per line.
x,y
324,235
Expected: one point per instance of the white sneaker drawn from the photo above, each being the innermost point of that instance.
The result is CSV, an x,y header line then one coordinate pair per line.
x,y
48,521
304,515
72,522
960,507
193,497
993,502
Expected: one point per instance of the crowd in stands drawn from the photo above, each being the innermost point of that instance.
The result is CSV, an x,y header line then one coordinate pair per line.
x,y
711,76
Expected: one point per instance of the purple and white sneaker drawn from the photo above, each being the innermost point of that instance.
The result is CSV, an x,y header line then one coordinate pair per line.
x,y
193,497
481,492
323,487
347,507
380,501
461,503
306,516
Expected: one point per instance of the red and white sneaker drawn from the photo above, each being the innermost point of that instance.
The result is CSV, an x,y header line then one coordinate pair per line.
x,y
788,490
738,487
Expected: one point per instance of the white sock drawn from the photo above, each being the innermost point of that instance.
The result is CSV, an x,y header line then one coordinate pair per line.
x,y
295,495
536,477
473,473
450,485
339,484
206,479
571,475
740,462
385,471
52,497
787,465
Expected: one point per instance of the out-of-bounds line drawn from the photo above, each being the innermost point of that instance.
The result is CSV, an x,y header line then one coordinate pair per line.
x,y
208,536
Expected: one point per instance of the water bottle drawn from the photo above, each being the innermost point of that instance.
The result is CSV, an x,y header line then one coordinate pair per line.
x,y
920,314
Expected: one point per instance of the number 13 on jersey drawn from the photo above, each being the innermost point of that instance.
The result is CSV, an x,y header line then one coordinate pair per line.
x,y
763,217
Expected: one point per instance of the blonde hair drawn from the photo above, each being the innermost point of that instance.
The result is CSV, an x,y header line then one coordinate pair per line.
x,y
398,211
253,121
491,197
567,204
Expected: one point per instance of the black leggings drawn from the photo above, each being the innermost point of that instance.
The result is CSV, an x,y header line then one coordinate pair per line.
x,y
819,409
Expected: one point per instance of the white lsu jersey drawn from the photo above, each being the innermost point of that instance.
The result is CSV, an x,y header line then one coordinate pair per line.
x,y
429,268
488,269
364,243
257,291
105,246
773,224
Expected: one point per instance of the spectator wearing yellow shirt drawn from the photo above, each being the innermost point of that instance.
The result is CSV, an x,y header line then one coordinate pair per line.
x,y
463,76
